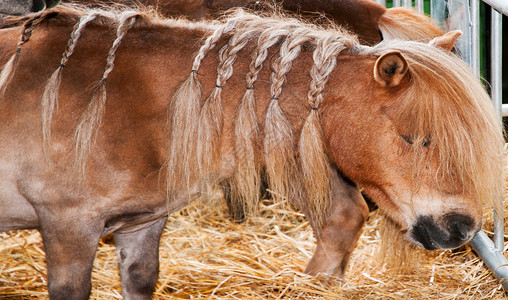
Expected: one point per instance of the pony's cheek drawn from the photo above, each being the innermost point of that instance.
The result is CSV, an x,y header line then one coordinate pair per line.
x,y
392,205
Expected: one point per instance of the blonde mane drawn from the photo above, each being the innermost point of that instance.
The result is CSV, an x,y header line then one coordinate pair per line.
x,y
455,114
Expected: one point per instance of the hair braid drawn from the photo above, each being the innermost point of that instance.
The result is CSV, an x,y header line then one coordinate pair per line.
x,y
210,125
9,68
184,112
50,94
282,173
91,119
314,163
247,179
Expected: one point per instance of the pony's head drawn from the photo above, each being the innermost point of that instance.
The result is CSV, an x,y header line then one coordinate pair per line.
x,y
422,139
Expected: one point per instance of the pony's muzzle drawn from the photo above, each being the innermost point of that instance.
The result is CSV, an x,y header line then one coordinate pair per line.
x,y
450,231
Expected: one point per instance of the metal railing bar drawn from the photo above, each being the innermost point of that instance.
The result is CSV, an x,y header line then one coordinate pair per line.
x,y
419,6
504,110
497,96
499,5
475,36
493,258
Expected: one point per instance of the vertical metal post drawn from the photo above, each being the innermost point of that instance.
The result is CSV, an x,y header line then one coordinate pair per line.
x,y
407,3
438,12
496,36
475,36
382,2
491,253
459,18
419,6
496,86
396,3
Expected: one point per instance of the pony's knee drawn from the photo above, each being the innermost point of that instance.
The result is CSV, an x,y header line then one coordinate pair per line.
x,y
138,254
142,280
337,236
360,211
139,274
348,214
69,264
347,202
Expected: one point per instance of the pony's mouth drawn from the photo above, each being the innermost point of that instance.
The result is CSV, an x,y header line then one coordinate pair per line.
x,y
453,230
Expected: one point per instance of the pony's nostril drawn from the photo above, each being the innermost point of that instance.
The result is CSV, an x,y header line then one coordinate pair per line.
x,y
422,232
460,226
459,229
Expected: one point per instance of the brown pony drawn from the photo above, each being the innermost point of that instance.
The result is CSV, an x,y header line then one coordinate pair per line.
x,y
367,19
103,131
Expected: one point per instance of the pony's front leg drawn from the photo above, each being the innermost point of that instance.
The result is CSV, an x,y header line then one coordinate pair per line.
x,y
341,228
70,242
138,253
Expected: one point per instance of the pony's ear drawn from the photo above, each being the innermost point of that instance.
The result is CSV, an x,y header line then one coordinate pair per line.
x,y
390,68
446,41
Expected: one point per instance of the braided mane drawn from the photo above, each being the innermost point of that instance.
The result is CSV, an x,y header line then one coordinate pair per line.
x,y
288,166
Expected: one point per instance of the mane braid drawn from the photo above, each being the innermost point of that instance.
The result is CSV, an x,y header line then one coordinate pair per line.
x,y
50,94
246,179
210,125
9,68
314,163
91,119
184,111
281,165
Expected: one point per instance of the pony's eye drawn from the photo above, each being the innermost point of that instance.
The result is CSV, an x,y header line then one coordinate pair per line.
x,y
410,141
407,139
426,142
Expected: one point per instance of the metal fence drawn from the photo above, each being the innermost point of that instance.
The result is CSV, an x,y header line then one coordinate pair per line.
x,y
465,16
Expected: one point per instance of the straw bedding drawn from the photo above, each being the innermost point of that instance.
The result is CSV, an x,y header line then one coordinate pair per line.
x,y
204,255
